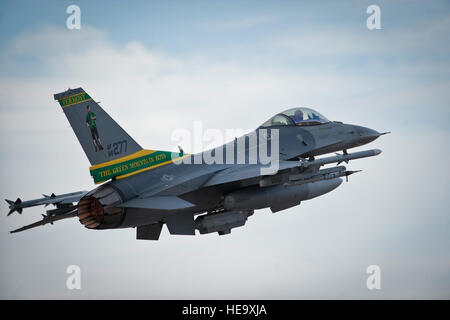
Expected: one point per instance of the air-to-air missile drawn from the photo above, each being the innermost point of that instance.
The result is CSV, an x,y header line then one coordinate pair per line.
x,y
63,201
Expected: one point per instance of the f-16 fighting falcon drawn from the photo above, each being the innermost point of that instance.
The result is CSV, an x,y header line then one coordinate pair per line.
x,y
145,189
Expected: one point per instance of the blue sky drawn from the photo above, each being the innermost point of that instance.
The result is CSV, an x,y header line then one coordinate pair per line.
x,y
211,26
159,66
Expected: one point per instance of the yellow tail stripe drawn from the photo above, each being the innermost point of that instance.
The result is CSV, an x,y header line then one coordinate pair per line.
x,y
138,154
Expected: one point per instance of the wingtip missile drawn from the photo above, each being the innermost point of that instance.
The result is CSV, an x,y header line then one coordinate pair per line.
x,y
56,200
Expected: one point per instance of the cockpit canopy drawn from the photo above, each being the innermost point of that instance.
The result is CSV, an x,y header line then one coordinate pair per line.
x,y
296,117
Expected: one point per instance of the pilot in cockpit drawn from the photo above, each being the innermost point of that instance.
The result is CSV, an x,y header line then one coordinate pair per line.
x,y
298,116
314,116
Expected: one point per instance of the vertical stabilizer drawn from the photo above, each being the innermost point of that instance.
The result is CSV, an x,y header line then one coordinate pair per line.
x,y
101,138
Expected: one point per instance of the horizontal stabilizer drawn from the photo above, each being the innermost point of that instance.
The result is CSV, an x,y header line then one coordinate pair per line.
x,y
158,202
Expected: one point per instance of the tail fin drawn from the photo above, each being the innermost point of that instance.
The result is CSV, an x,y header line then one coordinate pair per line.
x,y
101,138
10,202
14,206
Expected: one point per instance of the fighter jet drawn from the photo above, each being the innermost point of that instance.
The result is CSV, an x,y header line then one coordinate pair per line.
x,y
212,191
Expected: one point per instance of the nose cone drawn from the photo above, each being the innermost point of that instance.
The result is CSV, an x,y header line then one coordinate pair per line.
x,y
366,135
319,188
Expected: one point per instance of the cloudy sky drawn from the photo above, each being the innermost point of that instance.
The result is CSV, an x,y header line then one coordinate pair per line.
x,y
160,66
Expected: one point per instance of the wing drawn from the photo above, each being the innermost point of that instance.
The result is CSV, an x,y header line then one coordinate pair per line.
x,y
302,170
245,172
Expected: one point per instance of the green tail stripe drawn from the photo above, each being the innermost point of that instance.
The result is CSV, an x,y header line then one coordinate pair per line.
x,y
133,165
77,98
